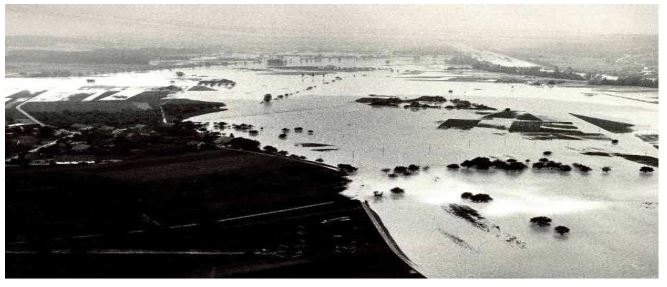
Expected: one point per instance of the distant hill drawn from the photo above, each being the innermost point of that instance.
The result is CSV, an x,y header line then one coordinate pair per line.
x,y
54,43
603,53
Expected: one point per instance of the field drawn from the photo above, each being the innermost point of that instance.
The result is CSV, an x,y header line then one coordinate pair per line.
x,y
201,215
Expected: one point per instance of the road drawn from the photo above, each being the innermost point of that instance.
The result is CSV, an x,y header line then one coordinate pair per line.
x,y
385,235
18,108
273,212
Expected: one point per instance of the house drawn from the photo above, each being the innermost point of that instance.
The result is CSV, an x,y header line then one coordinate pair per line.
x,y
276,63
80,147
223,140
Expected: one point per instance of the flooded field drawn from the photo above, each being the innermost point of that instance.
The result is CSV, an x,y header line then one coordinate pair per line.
x,y
613,216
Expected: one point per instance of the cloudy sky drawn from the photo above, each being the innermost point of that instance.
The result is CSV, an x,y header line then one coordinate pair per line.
x,y
196,23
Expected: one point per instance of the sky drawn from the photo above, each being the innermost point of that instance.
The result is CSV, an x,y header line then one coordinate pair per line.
x,y
210,24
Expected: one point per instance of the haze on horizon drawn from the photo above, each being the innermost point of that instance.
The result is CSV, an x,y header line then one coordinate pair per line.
x,y
191,26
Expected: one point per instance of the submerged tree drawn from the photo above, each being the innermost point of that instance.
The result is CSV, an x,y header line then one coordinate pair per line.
x,y
413,167
562,230
646,169
397,190
541,221
481,197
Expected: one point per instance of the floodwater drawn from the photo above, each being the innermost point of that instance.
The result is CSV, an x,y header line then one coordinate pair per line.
x,y
613,217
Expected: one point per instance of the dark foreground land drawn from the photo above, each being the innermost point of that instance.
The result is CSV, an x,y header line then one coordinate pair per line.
x,y
223,213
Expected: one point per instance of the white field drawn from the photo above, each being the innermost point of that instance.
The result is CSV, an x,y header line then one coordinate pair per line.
x,y
124,94
494,58
95,93
614,230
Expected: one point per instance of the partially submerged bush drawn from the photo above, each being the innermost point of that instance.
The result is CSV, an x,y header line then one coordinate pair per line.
x,y
478,163
485,163
565,168
409,170
480,197
553,165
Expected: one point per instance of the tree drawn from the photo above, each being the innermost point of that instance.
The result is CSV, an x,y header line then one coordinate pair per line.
x,y
386,170
606,169
466,195
45,131
270,149
180,74
244,144
347,168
